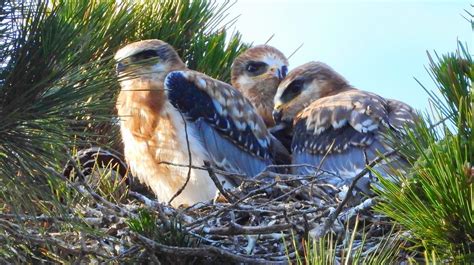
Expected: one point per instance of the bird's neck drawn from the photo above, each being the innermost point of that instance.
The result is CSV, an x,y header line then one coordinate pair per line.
x,y
138,103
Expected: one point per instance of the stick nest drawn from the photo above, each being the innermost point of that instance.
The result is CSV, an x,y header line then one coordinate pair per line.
x,y
264,220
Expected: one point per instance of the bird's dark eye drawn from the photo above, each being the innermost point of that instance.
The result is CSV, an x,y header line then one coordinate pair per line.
x,y
143,55
256,68
296,86
293,90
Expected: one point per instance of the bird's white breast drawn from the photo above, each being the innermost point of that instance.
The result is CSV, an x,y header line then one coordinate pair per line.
x,y
161,162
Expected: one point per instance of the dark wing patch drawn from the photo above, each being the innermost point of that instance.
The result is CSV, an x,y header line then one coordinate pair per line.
x,y
330,140
196,104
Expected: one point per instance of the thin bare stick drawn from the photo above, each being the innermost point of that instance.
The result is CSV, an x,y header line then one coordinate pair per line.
x,y
236,229
190,162
269,39
218,184
204,252
216,170
299,47
14,231
332,217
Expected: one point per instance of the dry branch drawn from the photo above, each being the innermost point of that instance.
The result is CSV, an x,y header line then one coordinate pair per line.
x,y
251,227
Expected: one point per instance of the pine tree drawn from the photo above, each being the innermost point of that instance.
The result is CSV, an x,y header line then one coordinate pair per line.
x,y
58,89
434,201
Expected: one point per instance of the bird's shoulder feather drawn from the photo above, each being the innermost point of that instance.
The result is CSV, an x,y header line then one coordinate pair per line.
x,y
350,118
222,107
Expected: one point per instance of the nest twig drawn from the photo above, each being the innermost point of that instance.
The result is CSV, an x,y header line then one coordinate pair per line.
x,y
258,223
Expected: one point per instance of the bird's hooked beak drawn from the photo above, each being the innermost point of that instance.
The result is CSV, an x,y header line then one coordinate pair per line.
x,y
279,73
277,114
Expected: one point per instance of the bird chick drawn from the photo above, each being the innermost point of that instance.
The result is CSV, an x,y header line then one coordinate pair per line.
x,y
256,73
334,126
172,117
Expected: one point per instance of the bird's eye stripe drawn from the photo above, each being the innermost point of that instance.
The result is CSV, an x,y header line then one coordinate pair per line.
x,y
146,54
257,64
256,68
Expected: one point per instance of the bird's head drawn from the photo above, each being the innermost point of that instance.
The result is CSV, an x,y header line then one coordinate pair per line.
x,y
259,68
148,59
302,86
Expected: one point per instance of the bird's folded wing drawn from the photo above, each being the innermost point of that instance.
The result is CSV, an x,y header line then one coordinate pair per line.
x,y
232,133
400,115
341,129
337,122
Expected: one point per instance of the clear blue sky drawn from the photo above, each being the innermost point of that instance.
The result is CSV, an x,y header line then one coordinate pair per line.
x,y
379,46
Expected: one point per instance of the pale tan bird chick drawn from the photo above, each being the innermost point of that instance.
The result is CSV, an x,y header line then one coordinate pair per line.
x,y
335,124
256,73
169,113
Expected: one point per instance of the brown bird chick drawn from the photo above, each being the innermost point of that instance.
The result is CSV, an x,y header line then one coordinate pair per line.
x,y
256,73
171,117
336,125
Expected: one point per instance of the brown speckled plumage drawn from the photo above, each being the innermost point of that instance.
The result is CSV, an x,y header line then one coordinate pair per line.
x,y
155,132
335,121
260,89
234,106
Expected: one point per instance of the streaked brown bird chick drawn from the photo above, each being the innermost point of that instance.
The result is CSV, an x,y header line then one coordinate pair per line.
x,y
172,117
334,124
256,73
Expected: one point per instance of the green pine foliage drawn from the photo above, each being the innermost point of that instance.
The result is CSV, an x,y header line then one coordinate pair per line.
x,y
434,201
170,234
57,93
58,84
351,248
